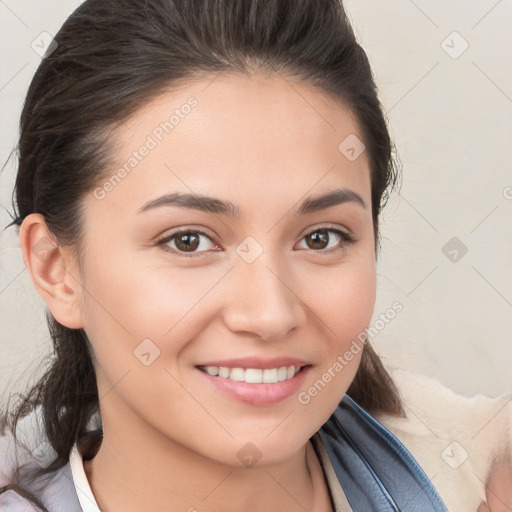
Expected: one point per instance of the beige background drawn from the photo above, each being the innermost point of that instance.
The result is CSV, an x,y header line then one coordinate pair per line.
x,y
450,113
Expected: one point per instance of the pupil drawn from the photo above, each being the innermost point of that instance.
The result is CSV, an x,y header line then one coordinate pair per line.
x,y
319,236
185,241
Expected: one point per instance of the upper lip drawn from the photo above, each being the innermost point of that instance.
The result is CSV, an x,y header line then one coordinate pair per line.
x,y
257,362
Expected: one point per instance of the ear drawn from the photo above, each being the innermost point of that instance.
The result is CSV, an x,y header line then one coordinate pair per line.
x,y
52,270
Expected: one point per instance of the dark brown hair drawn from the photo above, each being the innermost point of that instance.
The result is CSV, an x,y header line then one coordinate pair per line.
x,y
113,56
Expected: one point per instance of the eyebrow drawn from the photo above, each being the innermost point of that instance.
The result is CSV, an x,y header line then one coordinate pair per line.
x,y
218,206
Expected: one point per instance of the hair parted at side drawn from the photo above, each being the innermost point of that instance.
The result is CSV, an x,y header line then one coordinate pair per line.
x,y
112,57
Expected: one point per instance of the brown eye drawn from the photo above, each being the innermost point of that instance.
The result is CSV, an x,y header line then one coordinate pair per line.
x,y
320,239
185,241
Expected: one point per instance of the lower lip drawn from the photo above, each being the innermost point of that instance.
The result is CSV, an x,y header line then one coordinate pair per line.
x,y
258,394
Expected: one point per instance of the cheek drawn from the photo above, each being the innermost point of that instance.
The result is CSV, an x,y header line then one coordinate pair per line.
x,y
344,304
140,316
344,299
137,300
355,303
135,322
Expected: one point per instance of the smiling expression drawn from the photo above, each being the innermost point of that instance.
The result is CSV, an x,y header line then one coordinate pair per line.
x,y
212,264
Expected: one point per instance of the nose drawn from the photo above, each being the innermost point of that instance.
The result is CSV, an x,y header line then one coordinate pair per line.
x,y
262,300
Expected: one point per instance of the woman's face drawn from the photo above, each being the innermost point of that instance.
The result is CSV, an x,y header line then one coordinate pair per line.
x,y
265,282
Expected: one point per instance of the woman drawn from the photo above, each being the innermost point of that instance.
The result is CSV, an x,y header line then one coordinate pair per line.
x,y
199,191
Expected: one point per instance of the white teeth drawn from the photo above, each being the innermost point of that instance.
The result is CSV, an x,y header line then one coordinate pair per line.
x,y
222,371
237,374
282,373
270,376
253,375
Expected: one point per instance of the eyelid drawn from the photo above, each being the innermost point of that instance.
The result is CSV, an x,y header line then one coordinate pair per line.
x,y
328,227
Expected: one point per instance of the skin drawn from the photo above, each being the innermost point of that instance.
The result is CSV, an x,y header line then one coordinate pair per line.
x,y
498,488
264,143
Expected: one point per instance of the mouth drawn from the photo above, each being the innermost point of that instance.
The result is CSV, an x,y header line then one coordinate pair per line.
x,y
256,386
253,375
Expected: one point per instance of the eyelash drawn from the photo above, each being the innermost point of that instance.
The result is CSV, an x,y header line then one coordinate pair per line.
x,y
346,237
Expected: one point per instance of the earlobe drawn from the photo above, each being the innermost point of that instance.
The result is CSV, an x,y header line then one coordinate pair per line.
x,y
51,271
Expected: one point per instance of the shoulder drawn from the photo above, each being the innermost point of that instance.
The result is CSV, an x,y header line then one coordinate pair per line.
x,y
12,456
30,449
33,452
457,440
373,466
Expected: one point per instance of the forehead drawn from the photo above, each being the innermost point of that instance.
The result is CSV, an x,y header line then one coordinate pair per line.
x,y
237,137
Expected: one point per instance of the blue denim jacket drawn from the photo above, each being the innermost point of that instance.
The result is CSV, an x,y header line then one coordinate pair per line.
x,y
375,470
